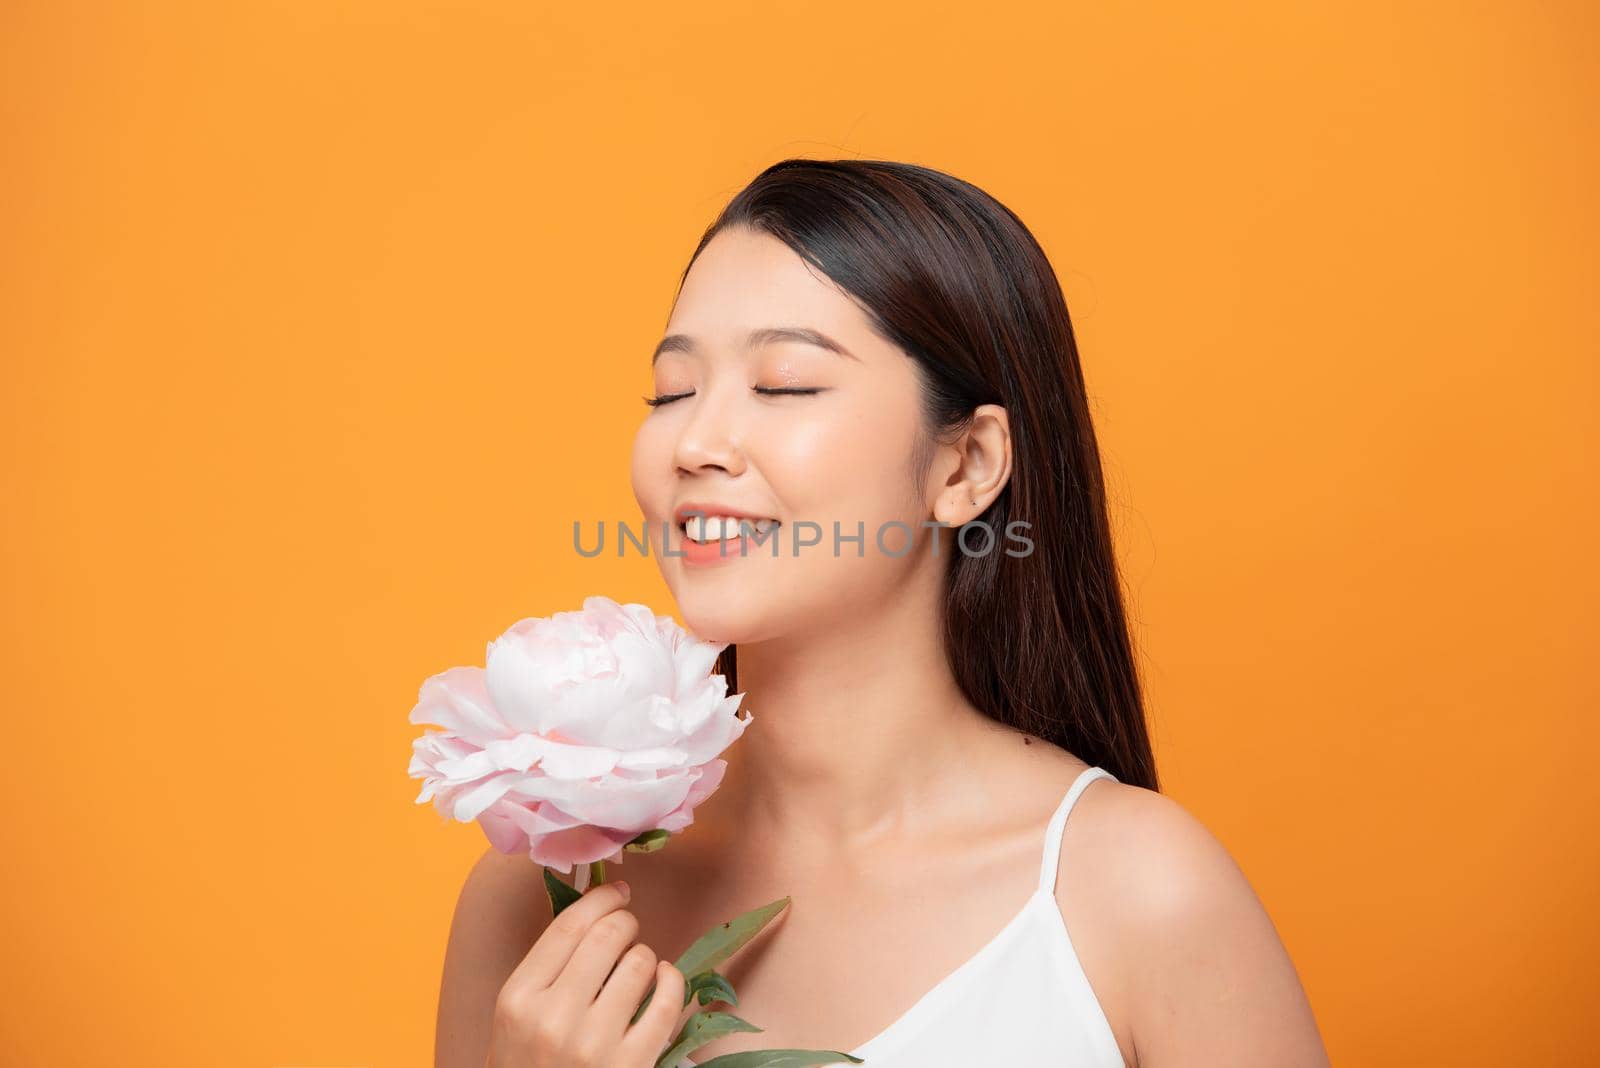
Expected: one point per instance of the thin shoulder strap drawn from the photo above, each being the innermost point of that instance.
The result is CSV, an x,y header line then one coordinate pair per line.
x,y
1058,825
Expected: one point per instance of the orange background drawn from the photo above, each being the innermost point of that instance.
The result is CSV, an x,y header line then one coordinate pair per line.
x,y
325,320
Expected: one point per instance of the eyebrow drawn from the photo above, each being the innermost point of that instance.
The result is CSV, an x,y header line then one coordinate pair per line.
x,y
765,335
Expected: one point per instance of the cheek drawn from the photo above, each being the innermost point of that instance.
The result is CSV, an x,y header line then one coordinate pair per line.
x,y
650,479
852,465
807,450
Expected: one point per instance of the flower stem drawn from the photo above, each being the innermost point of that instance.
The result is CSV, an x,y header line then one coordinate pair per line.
x,y
597,872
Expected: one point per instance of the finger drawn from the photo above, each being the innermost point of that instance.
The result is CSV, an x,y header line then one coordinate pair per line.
x,y
620,996
544,962
647,1039
603,944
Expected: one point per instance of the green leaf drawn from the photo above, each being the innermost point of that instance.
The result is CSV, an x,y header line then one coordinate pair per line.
x,y
699,1029
649,841
561,895
780,1058
723,940
717,945
709,987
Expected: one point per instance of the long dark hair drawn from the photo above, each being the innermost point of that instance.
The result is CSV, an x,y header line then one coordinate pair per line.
x,y
953,278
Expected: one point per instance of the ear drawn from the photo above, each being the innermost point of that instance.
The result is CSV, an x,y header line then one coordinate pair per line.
x,y
976,467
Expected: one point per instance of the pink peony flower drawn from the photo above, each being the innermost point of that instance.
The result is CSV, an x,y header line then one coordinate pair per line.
x,y
583,731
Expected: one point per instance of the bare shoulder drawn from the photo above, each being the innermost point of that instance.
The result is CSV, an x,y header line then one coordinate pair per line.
x,y
501,911
1164,864
1180,950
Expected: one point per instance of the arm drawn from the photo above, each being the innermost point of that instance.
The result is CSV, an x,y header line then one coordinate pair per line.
x,y
501,911
1201,974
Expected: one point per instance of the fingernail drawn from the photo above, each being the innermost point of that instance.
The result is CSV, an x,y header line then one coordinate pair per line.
x,y
627,891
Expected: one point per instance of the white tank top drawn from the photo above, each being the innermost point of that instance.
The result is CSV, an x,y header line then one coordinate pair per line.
x,y
1022,1000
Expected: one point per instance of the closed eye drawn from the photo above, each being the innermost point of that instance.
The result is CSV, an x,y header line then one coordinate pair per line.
x,y
665,398
768,391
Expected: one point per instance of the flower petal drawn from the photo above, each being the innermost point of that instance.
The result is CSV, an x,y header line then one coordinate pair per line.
x,y
502,831
694,660
457,699
472,802
561,760
665,756
705,784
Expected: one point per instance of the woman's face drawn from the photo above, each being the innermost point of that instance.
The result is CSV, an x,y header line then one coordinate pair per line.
x,y
841,454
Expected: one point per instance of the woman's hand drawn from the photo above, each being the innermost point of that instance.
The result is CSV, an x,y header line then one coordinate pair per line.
x,y
559,1010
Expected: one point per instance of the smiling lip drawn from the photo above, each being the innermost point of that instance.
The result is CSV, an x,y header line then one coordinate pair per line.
x,y
708,509
703,554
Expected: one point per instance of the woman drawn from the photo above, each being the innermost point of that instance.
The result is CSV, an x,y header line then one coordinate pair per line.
x,y
861,355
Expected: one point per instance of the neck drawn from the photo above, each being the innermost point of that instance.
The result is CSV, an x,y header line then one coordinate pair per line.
x,y
859,731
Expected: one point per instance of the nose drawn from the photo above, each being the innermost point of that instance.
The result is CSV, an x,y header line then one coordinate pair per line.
x,y
711,436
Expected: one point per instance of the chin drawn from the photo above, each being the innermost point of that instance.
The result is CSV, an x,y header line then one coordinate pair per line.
x,y
745,610
742,604
721,615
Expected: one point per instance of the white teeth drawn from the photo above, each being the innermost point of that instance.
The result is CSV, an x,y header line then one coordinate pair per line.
x,y
709,528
